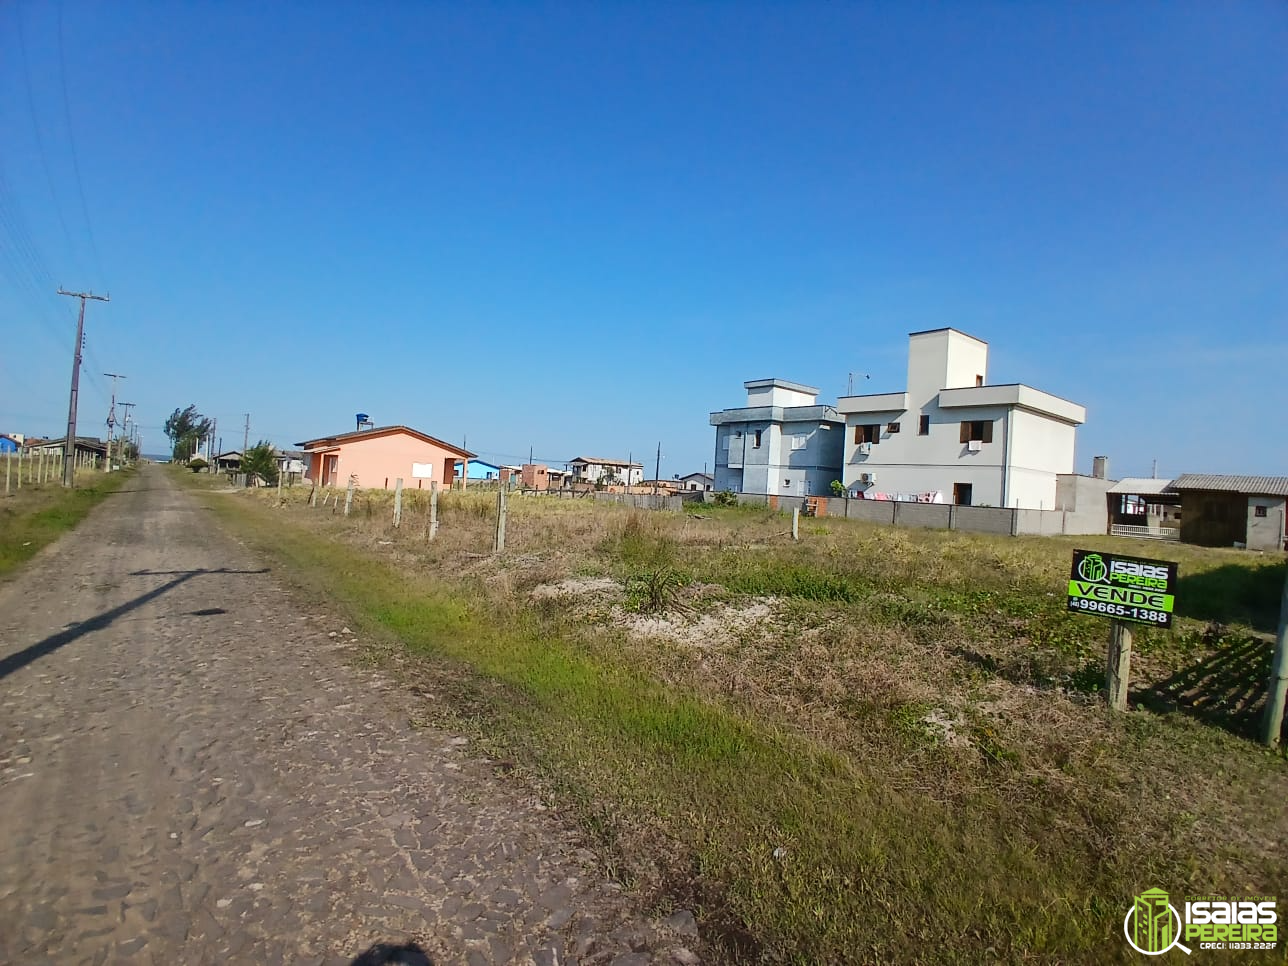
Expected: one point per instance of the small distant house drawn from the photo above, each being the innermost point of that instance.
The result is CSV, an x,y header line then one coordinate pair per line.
x,y
9,445
229,462
595,469
1224,511
697,481
483,470
87,447
377,457
1144,507
290,462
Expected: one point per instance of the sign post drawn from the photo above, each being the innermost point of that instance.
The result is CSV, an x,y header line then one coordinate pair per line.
x,y
1128,590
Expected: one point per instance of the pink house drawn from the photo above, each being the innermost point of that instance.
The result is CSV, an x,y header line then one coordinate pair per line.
x,y
378,457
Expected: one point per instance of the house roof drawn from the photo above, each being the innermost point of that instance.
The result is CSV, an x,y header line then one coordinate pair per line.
x,y
947,328
603,462
773,383
328,442
705,476
1142,485
1252,485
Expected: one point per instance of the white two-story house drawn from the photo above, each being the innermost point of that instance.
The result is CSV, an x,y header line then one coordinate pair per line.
x,y
594,469
782,442
952,437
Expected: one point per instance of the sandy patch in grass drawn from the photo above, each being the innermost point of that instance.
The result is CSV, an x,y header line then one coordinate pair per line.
x,y
700,631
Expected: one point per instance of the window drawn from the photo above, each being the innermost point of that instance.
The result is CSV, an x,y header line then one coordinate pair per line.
x,y
799,442
979,430
923,425
756,442
871,433
892,427
979,381
787,482
1260,511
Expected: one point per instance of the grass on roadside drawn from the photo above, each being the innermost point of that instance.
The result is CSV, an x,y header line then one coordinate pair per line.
x,y
35,516
794,782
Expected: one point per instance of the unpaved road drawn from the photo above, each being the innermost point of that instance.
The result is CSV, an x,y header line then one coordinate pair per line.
x,y
191,772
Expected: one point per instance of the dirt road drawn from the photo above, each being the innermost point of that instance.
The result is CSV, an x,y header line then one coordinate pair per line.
x,y
191,772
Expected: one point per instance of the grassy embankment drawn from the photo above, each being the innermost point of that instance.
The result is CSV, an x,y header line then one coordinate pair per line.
x,y
874,745
37,514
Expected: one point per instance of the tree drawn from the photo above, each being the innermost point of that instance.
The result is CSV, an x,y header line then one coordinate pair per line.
x,y
185,428
260,461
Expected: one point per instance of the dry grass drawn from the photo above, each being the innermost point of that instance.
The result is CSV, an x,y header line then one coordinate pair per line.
x,y
874,744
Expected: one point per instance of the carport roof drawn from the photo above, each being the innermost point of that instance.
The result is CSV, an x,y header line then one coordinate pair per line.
x,y
1251,485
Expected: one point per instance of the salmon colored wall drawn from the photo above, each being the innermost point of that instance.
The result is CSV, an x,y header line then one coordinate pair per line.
x,y
387,457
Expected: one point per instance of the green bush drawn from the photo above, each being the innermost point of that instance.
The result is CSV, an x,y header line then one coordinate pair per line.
x,y
197,465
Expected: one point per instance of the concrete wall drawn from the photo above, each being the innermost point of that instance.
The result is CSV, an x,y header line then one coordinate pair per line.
x,y
642,501
1267,532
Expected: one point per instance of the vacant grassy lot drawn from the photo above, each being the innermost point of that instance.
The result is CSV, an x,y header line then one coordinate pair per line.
x,y
37,514
872,745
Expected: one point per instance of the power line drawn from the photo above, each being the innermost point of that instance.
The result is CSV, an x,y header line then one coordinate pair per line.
x,y
35,126
71,140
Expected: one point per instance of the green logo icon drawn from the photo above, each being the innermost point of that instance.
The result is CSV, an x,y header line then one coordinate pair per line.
x,y
1157,926
1092,567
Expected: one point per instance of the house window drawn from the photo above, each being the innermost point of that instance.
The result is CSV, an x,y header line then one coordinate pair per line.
x,y
979,381
870,433
756,442
787,482
1260,511
798,442
979,430
892,427
923,425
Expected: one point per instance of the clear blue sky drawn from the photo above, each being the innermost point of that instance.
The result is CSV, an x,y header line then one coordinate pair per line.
x,y
580,227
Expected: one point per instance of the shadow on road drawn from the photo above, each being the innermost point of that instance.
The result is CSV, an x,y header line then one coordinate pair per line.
x,y
52,643
387,954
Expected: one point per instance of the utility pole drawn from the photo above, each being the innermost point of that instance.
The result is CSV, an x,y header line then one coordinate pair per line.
x,y
69,450
245,437
111,416
657,469
125,428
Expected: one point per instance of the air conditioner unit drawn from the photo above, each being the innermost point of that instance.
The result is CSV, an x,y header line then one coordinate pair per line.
x,y
867,477
975,445
865,448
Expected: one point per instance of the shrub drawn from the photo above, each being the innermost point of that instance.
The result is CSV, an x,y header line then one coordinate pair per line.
x,y
726,498
197,465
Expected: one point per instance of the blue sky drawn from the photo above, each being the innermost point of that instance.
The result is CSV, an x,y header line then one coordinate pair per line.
x,y
579,228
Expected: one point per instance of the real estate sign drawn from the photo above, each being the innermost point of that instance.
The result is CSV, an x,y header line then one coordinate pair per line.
x,y
1124,588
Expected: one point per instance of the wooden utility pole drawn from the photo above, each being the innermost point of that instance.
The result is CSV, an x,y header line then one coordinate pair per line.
x,y
397,503
1278,692
499,544
657,469
245,438
69,450
1119,665
433,509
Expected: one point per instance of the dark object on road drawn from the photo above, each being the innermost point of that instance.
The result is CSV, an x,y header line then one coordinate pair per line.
x,y
387,954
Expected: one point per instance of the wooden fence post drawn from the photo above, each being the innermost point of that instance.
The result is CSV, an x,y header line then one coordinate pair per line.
x,y
1119,665
397,502
796,523
348,497
433,509
499,544
1278,692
